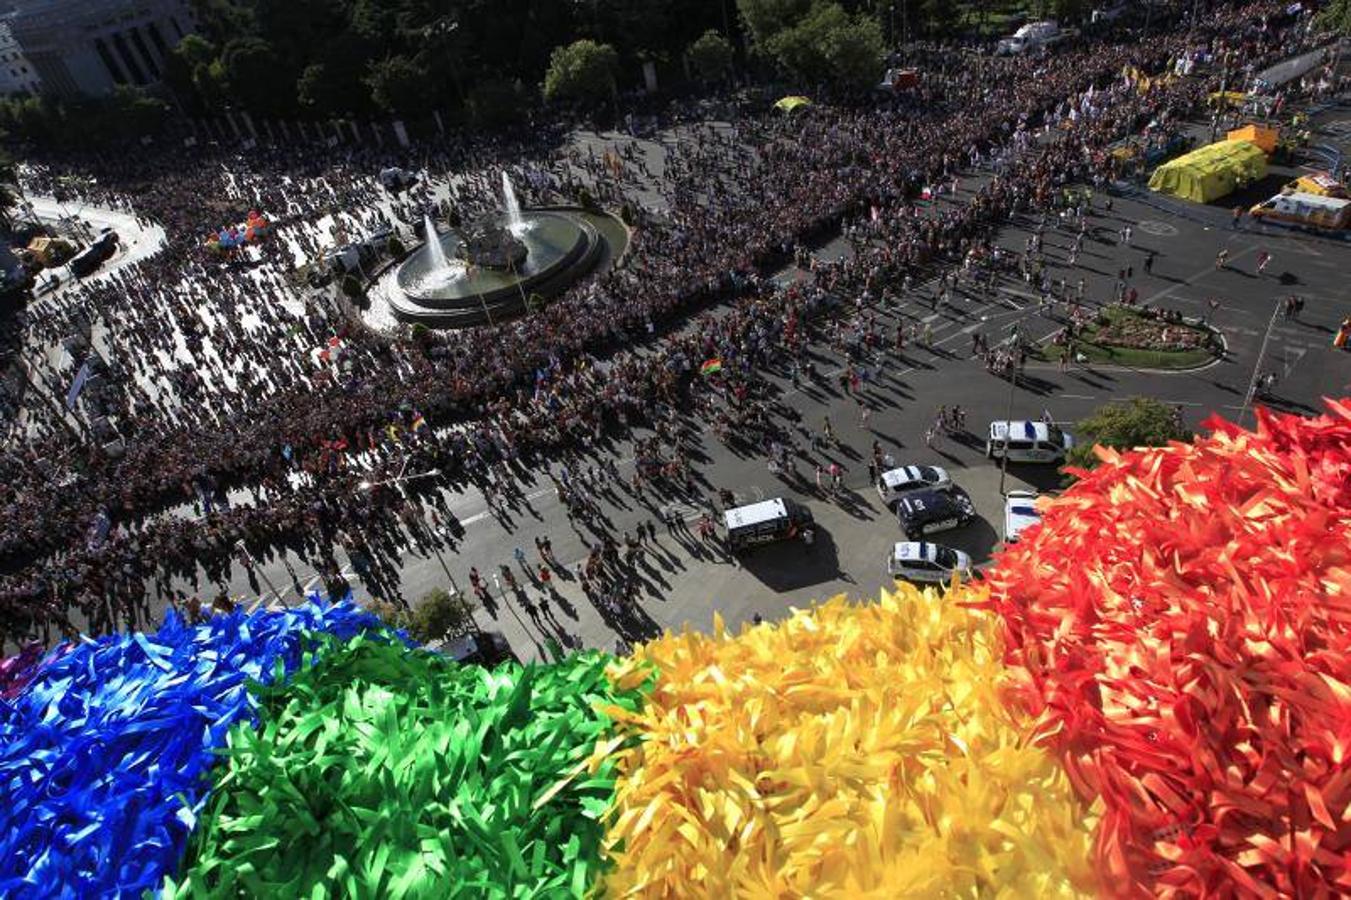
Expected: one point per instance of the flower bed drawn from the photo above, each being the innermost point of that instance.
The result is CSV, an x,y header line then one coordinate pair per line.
x,y
1134,329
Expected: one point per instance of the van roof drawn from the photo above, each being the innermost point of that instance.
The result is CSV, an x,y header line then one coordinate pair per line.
x,y
755,513
1023,430
1299,198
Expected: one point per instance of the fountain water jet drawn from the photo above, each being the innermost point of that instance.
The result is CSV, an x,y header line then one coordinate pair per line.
x,y
434,248
515,224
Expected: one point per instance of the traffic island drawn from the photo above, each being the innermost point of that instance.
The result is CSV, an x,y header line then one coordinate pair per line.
x,y
1142,338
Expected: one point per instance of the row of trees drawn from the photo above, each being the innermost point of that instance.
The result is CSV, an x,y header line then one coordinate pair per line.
x,y
486,59
126,113
406,57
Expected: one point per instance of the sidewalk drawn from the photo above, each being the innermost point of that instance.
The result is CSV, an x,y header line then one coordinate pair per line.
x,y
136,241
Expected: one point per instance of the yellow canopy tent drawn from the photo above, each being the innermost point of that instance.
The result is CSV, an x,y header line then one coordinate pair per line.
x,y
1211,172
788,104
1262,136
50,251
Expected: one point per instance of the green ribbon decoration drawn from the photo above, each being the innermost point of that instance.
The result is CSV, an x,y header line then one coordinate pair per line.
x,y
381,771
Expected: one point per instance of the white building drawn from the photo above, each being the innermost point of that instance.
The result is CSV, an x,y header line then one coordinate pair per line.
x,y
86,47
17,75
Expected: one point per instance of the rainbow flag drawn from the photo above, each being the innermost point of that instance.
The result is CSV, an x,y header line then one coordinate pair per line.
x,y
710,367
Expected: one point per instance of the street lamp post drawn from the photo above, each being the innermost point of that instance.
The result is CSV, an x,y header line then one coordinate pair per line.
x,y
399,481
1008,430
253,564
1257,365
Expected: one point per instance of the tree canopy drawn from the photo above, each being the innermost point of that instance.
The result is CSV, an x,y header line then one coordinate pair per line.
x,y
583,70
710,56
1336,16
338,57
821,42
1125,424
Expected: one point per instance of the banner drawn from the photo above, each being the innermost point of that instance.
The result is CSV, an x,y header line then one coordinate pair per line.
x,y
76,386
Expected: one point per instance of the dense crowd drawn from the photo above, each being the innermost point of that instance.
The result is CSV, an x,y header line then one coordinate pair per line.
x,y
223,385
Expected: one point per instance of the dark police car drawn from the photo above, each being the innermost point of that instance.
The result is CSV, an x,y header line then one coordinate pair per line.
x,y
923,513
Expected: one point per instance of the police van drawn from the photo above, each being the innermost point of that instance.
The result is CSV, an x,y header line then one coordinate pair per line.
x,y
768,521
1030,442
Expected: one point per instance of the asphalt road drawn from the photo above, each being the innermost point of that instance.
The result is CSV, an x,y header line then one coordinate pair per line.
x,y
682,583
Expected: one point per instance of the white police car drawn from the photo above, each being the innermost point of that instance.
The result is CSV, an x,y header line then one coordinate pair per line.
x,y
896,483
1020,512
1028,442
923,562
927,512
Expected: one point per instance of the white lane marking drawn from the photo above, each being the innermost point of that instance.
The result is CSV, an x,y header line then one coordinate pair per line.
x,y
1077,396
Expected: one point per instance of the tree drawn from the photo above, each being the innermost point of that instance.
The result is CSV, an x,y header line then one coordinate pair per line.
x,y
9,198
131,112
1124,425
351,286
494,102
1336,16
766,18
830,45
399,84
249,69
1067,10
710,56
439,615
583,70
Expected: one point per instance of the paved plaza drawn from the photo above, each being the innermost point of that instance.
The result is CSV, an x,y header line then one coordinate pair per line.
x,y
683,581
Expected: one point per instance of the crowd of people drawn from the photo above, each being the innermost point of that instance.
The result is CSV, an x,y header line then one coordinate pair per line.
x,y
230,373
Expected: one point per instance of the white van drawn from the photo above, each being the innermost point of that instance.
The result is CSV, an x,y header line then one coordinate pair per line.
x,y
1030,442
765,522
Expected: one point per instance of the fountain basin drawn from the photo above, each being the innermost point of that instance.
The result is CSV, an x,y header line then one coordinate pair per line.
x,y
440,290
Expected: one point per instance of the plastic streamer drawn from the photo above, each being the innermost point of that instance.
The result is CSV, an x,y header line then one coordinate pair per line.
x,y
1182,623
16,671
381,772
105,755
853,751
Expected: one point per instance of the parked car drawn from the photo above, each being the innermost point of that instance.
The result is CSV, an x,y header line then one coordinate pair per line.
x,y
927,512
1020,512
96,254
927,563
896,483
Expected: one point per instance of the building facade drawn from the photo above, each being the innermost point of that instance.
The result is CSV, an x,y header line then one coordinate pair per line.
x,y
17,75
87,47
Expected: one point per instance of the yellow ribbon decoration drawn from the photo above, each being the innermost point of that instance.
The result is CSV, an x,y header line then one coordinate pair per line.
x,y
852,751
